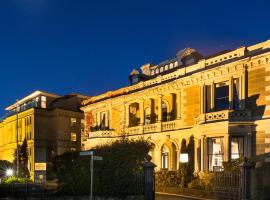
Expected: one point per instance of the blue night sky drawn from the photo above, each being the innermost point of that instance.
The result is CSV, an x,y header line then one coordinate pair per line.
x,y
87,46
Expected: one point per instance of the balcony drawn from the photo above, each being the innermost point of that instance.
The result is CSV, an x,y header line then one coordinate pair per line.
x,y
225,115
154,128
102,134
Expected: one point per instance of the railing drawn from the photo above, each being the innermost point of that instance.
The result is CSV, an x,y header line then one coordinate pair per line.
x,y
153,128
227,185
230,115
150,128
167,126
104,133
134,130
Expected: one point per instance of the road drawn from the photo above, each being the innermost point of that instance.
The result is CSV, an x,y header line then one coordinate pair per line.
x,y
170,197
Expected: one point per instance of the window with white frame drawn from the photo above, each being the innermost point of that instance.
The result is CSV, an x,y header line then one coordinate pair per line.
x,y
215,153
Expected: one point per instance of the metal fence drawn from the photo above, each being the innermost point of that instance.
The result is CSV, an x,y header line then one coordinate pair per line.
x,y
227,185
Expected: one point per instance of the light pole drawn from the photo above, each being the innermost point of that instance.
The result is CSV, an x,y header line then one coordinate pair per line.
x,y
9,172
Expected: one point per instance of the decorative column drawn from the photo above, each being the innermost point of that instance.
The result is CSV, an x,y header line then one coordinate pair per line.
x,y
227,147
196,155
142,117
213,96
204,155
178,105
202,98
160,108
243,90
127,115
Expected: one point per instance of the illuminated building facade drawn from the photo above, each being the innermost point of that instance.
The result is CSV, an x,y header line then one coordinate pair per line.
x,y
217,106
50,124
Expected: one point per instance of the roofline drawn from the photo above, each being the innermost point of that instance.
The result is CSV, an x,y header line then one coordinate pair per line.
x,y
127,89
29,97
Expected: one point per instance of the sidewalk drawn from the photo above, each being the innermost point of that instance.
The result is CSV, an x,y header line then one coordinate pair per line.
x,y
164,196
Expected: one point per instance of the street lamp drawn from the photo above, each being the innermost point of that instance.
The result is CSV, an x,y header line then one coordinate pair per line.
x,y
9,172
184,162
183,158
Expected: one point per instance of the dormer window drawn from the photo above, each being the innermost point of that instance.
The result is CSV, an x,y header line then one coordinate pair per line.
x,y
135,79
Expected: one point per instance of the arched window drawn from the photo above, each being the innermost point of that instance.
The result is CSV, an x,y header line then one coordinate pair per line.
x,y
164,111
165,157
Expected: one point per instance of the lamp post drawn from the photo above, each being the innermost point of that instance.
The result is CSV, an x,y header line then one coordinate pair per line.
x,y
9,172
183,161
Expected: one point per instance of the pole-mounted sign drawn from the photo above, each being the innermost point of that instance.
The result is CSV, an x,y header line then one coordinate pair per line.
x,y
97,158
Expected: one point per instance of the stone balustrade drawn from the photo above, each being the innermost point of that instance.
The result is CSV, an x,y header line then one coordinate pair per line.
x,y
224,115
102,133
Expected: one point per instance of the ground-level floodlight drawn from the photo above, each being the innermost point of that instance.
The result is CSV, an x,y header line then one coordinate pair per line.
x,y
9,172
183,158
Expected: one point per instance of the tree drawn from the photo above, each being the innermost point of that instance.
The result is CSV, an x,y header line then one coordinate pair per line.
x,y
23,160
114,176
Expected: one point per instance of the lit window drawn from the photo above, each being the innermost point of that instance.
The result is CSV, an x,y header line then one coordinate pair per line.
x,y
171,65
176,64
166,67
161,69
43,102
73,149
215,153
73,121
157,71
73,137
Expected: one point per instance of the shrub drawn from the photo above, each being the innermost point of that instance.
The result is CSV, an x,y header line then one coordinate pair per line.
x,y
202,181
165,178
13,179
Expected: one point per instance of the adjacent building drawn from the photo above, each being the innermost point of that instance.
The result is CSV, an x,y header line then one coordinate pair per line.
x,y
49,123
218,107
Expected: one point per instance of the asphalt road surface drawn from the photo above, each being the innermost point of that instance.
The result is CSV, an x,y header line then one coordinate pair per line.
x,y
170,197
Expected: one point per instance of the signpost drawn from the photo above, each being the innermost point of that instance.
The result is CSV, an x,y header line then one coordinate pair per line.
x,y
97,158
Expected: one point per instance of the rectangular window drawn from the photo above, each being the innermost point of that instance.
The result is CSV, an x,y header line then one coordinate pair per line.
x,y
222,96
73,121
215,153
73,137
237,147
43,102
236,98
208,98
103,120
